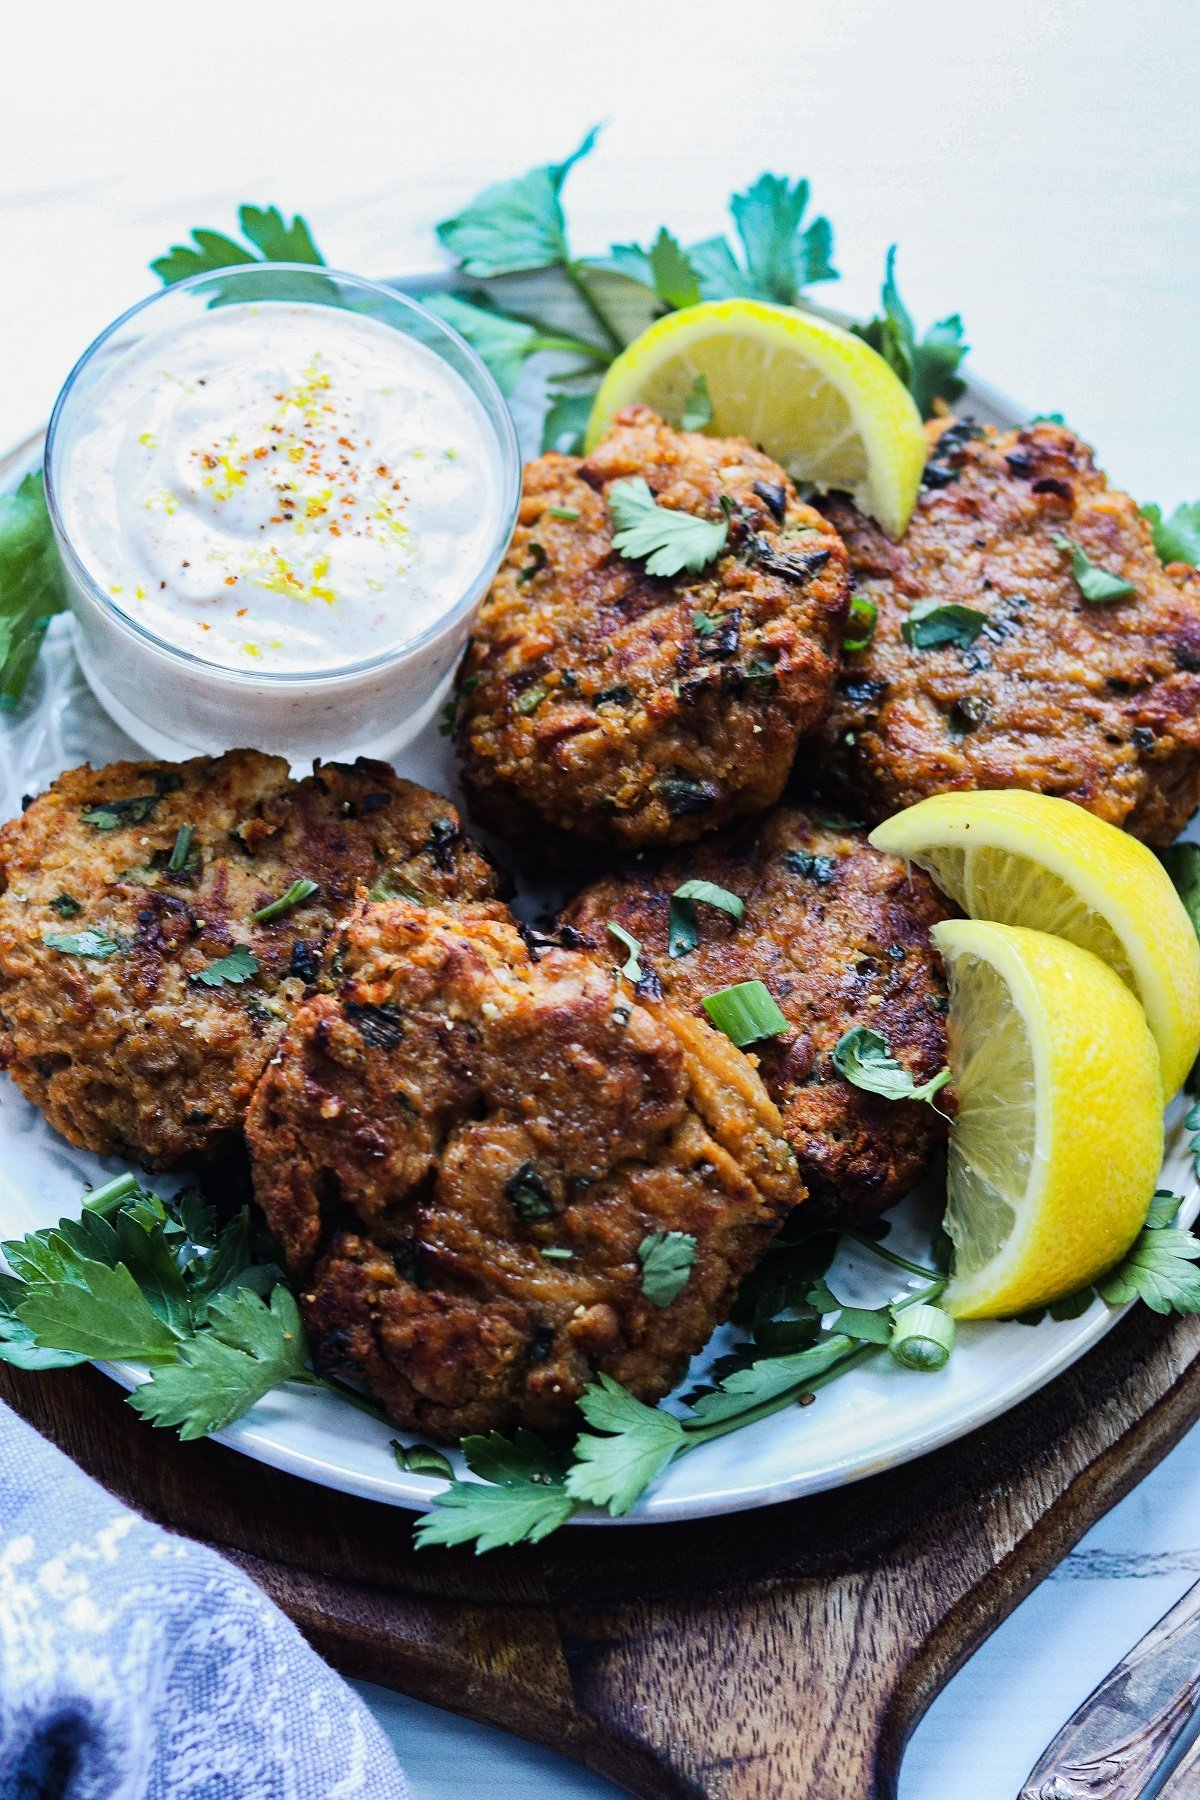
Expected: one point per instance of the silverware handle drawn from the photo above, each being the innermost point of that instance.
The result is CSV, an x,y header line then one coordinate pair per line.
x,y
1118,1740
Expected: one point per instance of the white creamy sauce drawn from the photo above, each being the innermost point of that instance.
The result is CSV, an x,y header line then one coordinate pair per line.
x,y
282,486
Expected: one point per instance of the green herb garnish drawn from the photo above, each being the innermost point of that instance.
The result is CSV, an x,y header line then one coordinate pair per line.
x,y
930,625
631,968
422,1459
1182,863
864,1058
928,367
922,1338
66,906
745,1013
530,698
112,815
519,1498
1176,539
271,240
1098,586
683,929
181,850
32,589
567,513
860,626
249,1347
668,541
92,943
666,1258
300,890
238,966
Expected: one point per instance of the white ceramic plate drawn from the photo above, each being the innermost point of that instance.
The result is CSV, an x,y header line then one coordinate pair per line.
x,y
871,1419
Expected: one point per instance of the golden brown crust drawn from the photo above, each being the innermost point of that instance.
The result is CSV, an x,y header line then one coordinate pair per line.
x,y
457,1108
130,1054
1097,703
589,694
840,935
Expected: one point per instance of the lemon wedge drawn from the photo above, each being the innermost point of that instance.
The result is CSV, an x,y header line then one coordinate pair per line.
x,y
814,397
1031,859
1057,1144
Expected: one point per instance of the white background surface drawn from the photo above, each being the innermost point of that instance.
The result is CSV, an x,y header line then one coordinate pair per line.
x,y
1039,165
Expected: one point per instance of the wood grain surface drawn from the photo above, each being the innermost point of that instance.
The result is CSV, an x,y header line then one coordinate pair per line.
x,y
778,1655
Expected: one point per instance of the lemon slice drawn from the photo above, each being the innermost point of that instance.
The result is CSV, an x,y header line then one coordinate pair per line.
x,y
1031,859
813,396
1058,1140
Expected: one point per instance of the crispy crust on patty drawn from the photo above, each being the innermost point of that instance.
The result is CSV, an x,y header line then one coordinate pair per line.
x,y
456,1109
590,694
131,1054
1097,703
839,933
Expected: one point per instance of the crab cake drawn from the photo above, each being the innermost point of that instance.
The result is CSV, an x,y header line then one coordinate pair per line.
x,y
473,1157
840,935
635,709
1096,701
124,890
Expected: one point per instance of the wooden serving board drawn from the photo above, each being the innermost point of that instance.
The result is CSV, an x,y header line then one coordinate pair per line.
x,y
783,1654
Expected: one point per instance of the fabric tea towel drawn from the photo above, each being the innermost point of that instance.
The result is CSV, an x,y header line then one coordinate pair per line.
x,y
135,1665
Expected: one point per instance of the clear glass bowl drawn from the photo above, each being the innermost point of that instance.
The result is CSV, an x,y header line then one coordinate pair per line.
x,y
175,703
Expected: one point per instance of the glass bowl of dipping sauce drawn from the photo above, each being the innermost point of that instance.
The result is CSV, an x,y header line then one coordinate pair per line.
x,y
280,493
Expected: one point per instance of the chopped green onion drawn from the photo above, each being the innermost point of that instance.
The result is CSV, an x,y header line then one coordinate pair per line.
x,y
569,513
182,849
683,929
744,1012
299,890
922,1338
632,968
712,895
530,698
860,626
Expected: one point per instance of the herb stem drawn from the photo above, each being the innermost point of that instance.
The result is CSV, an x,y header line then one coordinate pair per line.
x,y
574,274
899,1262
855,1353
571,346
705,1434
343,1390
109,1197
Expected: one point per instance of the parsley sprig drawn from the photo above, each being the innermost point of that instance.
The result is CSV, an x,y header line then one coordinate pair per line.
x,y
142,1278
31,584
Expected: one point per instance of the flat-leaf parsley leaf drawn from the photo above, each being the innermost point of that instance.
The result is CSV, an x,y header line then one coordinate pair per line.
x,y
666,1258
668,541
1098,586
235,968
865,1059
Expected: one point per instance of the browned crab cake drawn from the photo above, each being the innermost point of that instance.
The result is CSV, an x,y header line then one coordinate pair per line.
x,y
635,709
839,933
1094,700
468,1153
122,891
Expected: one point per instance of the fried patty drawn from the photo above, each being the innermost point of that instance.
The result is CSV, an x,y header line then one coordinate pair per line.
x,y
121,887
839,933
1099,703
634,709
464,1152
